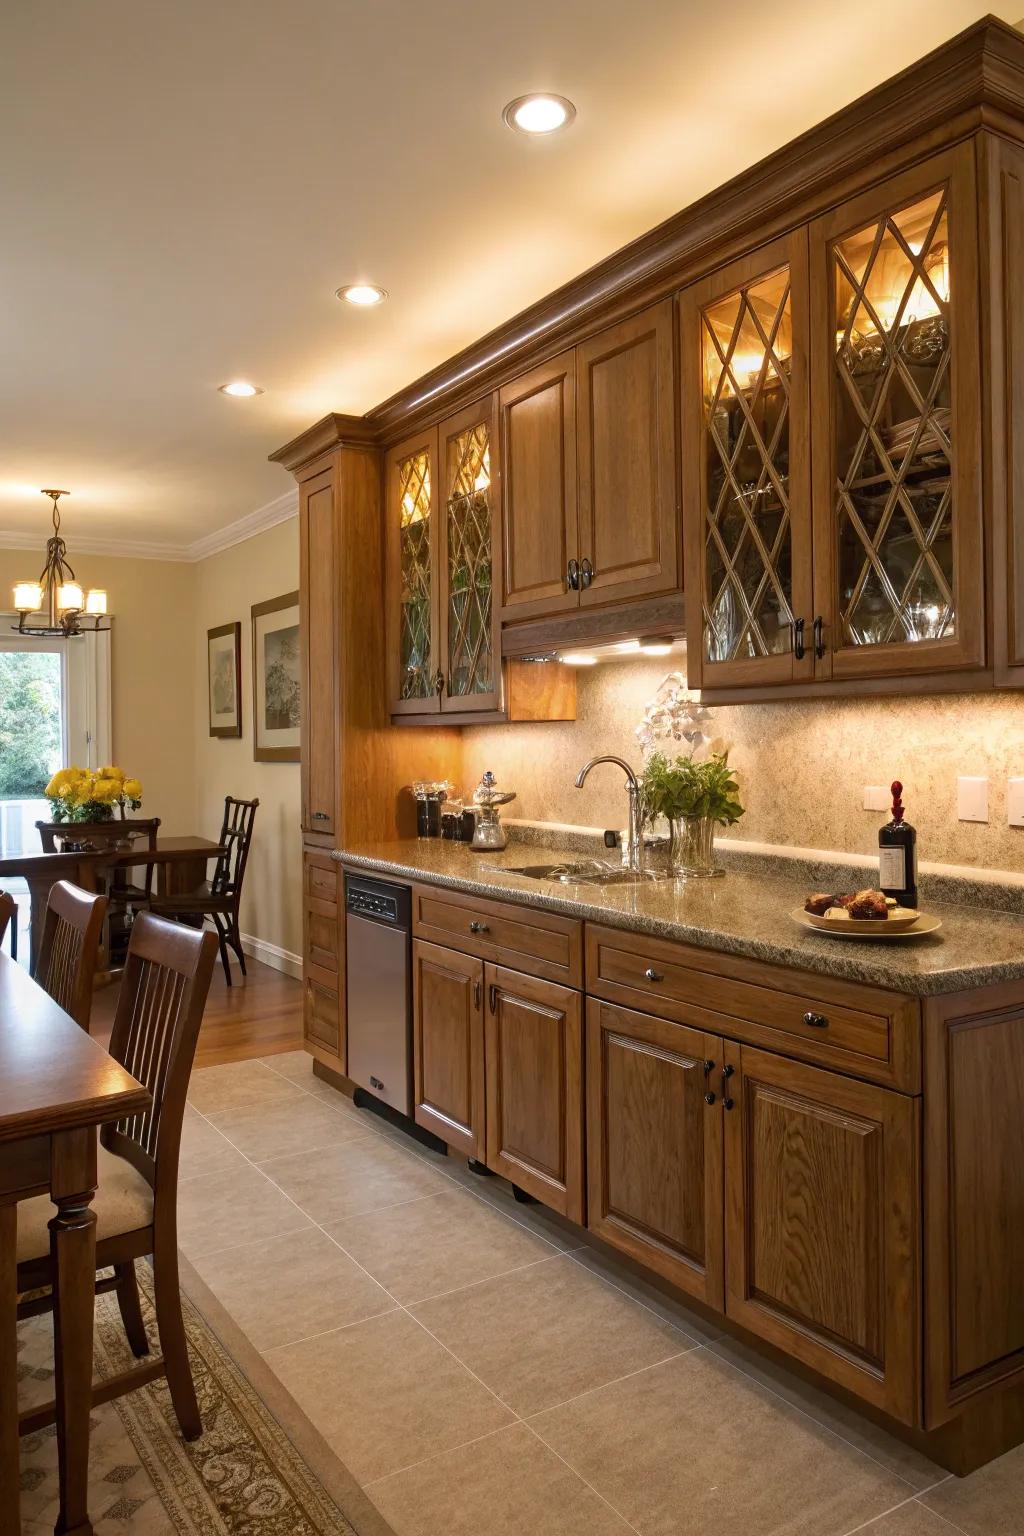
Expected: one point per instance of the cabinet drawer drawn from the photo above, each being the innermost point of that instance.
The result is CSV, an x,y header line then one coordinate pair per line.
x,y
323,1016
323,947
322,880
538,943
863,1030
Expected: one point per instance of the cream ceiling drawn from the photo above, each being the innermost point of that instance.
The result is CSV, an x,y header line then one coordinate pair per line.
x,y
184,183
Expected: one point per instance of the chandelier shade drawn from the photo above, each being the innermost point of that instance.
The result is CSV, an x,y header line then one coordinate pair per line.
x,y
58,595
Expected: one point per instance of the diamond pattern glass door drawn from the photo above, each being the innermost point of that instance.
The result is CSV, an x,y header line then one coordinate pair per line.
x,y
470,587
416,662
894,492
746,341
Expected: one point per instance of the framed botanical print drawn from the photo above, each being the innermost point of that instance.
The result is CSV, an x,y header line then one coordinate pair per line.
x,y
224,670
276,679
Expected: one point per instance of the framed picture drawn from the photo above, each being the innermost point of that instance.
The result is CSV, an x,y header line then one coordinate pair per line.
x,y
276,674
224,670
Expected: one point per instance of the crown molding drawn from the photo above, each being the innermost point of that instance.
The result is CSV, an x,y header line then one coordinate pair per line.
x,y
280,510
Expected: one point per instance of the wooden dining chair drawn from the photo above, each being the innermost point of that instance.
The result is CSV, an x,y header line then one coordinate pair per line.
x,y
159,1011
220,898
70,947
9,914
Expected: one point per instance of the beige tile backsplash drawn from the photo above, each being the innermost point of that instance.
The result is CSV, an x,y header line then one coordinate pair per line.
x,y
802,766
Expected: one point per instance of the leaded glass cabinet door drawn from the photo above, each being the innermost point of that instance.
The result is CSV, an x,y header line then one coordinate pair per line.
x,y
898,495
747,471
470,546
414,663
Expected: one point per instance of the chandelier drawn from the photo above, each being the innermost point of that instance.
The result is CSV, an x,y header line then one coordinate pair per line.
x,y
65,603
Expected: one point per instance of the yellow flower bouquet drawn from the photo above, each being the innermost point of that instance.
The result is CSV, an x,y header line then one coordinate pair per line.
x,y
92,794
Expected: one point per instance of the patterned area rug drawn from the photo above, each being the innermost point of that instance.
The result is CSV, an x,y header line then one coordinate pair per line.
x,y
244,1477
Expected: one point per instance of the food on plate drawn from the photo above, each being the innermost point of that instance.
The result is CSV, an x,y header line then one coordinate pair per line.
x,y
819,903
867,904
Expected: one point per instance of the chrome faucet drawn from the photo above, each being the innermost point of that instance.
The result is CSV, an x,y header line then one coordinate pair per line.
x,y
635,849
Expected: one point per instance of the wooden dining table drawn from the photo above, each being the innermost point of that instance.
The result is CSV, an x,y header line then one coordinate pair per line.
x,y
57,1086
180,866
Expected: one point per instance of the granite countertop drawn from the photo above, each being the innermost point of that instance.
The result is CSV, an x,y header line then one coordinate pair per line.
x,y
745,913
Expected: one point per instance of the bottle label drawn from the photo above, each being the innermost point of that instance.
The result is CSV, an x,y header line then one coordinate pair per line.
x,y
892,869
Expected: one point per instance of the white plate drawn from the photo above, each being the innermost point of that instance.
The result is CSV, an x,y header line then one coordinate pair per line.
x,y
853,930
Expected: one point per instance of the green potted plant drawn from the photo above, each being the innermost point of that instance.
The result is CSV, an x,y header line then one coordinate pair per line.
x,y
694,798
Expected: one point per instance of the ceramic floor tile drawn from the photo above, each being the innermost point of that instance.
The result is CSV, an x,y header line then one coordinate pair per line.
x,y
203,1149
691,1447
274,1129
990,1502
910,1520
913,1466
541,1335
384,1394
430,1246
225,1210
498,1193
238,1083
609,1267
297,1065
356,1176
506,1485
292,1287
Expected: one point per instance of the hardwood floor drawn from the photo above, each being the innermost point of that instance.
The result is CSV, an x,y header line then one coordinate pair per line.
x,y
259,1015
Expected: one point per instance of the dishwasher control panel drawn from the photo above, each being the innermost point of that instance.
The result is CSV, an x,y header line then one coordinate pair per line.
x,y
372,904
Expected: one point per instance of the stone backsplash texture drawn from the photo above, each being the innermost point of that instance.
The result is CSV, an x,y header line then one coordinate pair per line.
x,y
802,766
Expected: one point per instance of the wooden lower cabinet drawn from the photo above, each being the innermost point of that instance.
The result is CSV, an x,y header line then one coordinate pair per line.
x,y
448,1046
533,1053
822,1228
654,1145
324,1024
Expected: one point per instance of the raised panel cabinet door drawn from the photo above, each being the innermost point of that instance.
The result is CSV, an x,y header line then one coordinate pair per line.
x,y
895,371
629,521
823,1223
538,459
534,1066
318,586
747,470
469,563
415,675
323,1019
654,1145
448,1046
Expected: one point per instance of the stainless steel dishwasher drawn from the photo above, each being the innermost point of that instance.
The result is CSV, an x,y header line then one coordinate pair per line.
x,y
378,921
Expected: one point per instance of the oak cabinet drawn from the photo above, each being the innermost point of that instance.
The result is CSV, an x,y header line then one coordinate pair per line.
x,y
822,1224
469,560
533,1054
538,456
654,1145
415,678
318,520
448,1046
324,1021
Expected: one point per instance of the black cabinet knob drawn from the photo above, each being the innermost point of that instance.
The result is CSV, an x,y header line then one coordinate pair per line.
x,y
816,1020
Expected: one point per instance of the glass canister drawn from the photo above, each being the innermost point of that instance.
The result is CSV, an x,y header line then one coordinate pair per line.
x,y
419,791
451,819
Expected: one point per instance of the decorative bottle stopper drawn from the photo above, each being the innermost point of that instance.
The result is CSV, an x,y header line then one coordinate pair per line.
x,y
897,803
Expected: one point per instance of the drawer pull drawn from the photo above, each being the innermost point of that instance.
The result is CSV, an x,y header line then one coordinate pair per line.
x,y
321,816
709,1097
816,1020
476,927
653,975
727,1072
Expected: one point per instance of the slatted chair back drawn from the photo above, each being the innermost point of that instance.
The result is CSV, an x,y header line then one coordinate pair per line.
x,y
160,1008
235,838
8,914
100,833
70,947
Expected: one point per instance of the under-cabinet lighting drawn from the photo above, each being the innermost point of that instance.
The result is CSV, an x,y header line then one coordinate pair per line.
x,y
578,659
655,647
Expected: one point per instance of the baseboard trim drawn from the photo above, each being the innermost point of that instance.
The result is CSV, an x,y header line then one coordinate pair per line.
x,y
273,955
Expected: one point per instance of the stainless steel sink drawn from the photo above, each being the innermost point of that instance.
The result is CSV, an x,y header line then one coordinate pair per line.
x,y
583,872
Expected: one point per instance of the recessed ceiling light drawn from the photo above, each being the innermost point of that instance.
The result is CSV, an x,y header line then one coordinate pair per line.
x,y
539,112
240,390
365,295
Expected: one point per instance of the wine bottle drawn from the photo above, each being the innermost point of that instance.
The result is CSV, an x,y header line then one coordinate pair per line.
x,y
897,854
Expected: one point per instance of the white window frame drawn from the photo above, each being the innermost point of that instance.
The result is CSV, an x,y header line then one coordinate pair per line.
x,y
85,672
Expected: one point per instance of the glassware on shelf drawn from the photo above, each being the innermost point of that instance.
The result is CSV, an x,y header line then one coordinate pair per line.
x,y
416,662
468,527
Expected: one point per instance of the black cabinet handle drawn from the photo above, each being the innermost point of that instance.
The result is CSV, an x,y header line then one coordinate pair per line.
x,y
492,997
439,682
321,816
816,1020
727,1072
799,649
709,1097
476,927
572,573
476,996
586,573
653,975
819,643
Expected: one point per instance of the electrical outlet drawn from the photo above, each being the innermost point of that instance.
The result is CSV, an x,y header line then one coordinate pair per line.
x,y
972,799
1015,802
876,797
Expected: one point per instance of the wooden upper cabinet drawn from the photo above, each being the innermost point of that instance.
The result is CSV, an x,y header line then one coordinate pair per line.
x,y
654,1145
318,534
448,1046
534,1067
822,1228
538,433
746,470
626,433
413,596
469,563
896,381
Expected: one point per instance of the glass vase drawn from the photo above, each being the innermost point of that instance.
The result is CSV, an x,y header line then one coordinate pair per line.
x,y
693,848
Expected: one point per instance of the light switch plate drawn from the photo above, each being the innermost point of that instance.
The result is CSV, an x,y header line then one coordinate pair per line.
x,y
972,799
876,797
1015,802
